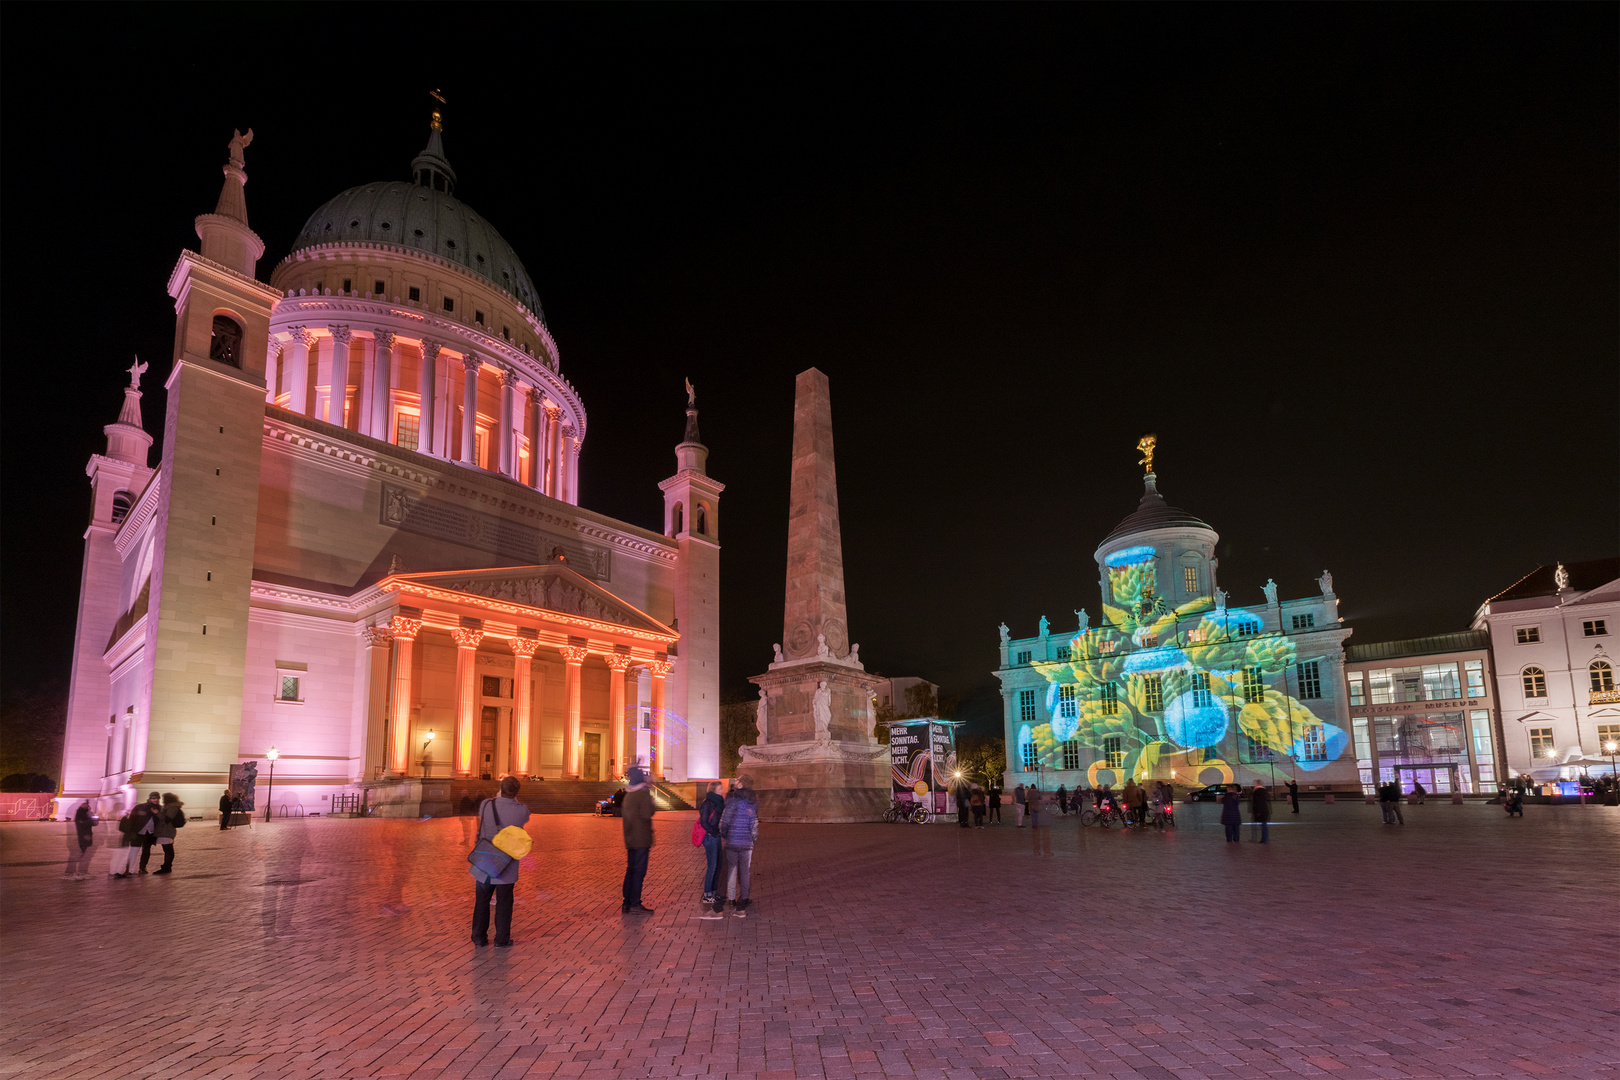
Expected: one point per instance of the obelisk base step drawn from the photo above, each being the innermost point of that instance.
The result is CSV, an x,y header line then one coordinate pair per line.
x,y
819,791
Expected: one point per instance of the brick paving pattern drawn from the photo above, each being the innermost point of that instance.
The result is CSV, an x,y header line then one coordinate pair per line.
x,y
1462,945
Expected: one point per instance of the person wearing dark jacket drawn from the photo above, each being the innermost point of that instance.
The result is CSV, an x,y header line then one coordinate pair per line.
x,y
1293,794
80,841
225,810
1232,813
169,819
739,827
1260,810
143,821
638,838
709,811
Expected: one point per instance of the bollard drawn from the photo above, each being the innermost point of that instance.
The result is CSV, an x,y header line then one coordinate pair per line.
x,y
1456,798
1328,798
1372,800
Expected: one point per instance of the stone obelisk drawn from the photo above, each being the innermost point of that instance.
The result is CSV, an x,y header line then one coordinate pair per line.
x,y
816,758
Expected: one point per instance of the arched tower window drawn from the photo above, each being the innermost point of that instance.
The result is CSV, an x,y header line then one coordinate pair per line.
x,y
1602,675
702,520
1535,682
226,343
677,520
122,501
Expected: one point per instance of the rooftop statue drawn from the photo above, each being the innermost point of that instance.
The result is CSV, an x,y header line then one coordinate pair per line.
x,y
691,394
239,143
136,370
1146,445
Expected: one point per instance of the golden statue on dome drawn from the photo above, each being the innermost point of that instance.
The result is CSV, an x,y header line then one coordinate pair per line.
x,y
1146,445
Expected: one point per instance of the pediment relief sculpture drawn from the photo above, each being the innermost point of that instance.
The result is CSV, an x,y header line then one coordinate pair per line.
x,y
544,592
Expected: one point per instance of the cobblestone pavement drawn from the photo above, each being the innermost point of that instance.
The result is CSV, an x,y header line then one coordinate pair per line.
x,y
1462,944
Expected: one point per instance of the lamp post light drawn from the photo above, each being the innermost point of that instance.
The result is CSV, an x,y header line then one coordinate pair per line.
x,y
427,741
1611,748
270,789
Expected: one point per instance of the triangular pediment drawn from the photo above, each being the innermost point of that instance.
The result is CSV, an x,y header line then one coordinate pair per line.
x,y
548,587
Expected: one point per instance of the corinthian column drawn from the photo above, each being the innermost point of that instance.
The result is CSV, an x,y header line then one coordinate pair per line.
x,y
337,375
619,663
382,374
523,650
469,408
508,384
399,735
659,669
298,371
565,467
532,425
425,384
553,445
271,363
467,639
575,656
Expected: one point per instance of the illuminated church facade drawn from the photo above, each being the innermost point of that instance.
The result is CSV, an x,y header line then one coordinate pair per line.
x,y
364,544
1173,682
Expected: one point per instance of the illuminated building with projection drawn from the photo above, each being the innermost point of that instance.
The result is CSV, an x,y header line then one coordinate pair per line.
x,y
364,543
1174,683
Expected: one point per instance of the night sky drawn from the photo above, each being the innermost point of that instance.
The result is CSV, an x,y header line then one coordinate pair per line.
x,y
1356,266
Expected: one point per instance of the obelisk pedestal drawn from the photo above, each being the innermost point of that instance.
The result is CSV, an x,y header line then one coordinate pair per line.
x,y
817,758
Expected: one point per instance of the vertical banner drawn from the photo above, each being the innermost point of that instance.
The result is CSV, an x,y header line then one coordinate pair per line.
x,y
908,760
942,759
244,781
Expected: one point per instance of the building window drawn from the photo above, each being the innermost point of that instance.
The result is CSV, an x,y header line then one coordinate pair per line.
x,y
377,287
1541,742
1439,682
1535,682
1195,636
1189,580
1358,688
289,688
1474,670
480,437
1479,723
347,285
1110,698
1527,635
406,430
1310,680
1152,693
1601,672
1252,751
1107,648
702,520
122,501
1305,621
1149,640
1024,656
1071,754
1254,687
449,304
478,317
1313,747
1595,627
226,343
1114,752
1065,653
1200,690
1066,708
1029,757
1247,628
416,294
1026,706
492,686
1608,734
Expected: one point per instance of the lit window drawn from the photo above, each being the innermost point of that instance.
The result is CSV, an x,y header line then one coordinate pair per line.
x,y
1066,708
1107,648
1026,706
289,689
1595,627
1110,698
1200,690
1358,688
1196,636
1608,733
1535,682
1114,752
1475,672
1152,693
1310,680
480,437
1527,635
1254,687
1247,628
1313,746
406,430
1149,640
1189,580
1029,757
1024,656
1305,621
1071,754
1479,721
1065,652
1439,682
1541,742
1601,673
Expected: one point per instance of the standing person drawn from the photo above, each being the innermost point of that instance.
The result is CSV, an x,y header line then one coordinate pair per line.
x,y
225,810
1260,810
80,841
1389,799
960,792
1019,805
976,800
1063,799
1138,801
1420,791
1130,793
1032,804
995,803
709,811
144,820
637,811
1293,794
739,828
169,819
495,814
1231,813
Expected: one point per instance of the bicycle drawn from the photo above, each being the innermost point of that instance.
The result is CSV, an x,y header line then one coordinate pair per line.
x,y
904,810
1106,815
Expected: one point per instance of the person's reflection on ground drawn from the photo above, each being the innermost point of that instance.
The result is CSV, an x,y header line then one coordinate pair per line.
x,y
282,852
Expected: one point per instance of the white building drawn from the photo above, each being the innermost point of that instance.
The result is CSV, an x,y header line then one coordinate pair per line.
x,y
364,543
1173,683
1552,641
891,693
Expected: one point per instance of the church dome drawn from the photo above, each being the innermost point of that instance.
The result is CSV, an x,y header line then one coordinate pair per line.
x,y
422,215
1153,513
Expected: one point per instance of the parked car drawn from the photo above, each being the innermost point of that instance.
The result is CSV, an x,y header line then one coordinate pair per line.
x,y
1212,793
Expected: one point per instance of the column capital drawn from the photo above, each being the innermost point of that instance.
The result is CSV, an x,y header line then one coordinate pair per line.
x,y
430,350
619,662
467,639
470,363
524,646
575,654
377,635
532,395
301,336
385,340
660,668
341,334
553,412
506,375
405,627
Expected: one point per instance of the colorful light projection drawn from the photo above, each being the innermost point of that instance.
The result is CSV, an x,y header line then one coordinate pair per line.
x,y
1157,688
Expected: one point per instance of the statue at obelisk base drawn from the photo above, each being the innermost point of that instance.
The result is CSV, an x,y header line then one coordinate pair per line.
x,y
817,758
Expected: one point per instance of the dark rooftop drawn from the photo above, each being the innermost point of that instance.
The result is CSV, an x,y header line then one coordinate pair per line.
x,y
1583,577
1462,641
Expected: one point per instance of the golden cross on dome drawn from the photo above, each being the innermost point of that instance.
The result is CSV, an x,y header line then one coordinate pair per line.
x,y
1146,445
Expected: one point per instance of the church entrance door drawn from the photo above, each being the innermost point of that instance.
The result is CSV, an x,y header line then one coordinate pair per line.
x,y
592,769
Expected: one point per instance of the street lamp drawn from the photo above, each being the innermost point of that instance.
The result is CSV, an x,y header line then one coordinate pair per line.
x,y
270,789
1610,748
427,741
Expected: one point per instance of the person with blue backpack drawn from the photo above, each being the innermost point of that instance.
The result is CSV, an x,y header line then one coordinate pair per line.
x,y
709,811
